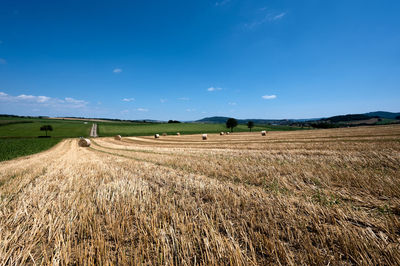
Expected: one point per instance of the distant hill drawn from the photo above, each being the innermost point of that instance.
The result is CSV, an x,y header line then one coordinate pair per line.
x,y
359,117
367,119
370,118
346,118
382,114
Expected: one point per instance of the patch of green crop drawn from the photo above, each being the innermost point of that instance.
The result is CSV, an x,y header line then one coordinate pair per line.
x,y
31,128
12,148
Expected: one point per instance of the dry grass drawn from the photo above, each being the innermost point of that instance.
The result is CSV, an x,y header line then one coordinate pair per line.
x,y
309,197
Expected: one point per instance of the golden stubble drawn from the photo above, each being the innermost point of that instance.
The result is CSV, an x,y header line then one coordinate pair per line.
x,y
309,197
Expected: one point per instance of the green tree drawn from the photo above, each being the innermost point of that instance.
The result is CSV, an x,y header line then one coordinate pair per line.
x,y
46,128
250,125
231,123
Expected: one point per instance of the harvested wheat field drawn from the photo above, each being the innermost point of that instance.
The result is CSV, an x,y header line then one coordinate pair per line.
x,y
305,197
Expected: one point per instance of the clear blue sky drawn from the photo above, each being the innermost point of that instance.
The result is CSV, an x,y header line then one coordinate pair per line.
x,y
190,59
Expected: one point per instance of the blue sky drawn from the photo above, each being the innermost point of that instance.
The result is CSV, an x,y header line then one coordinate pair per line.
x,y
190,59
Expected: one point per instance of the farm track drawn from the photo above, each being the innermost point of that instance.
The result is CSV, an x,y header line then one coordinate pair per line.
x,y
93,131
254,200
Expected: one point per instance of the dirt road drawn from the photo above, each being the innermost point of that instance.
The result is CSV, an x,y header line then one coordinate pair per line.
x,y
93,131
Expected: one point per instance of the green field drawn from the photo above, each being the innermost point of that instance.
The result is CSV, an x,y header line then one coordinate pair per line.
x,y
61,128
12,148
139,129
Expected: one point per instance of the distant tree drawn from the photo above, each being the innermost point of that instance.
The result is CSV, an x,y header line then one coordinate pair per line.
x,y
250,125
398,117
173,121
46,128
231,123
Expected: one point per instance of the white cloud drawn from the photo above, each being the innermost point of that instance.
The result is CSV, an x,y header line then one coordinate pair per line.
x,y
190,110
26,97
124,112
268,97
42,99
269,17
74,101
214,89
163,100
222,3
279,16
184,99
142,110
117,70
38,101
232,103
128,99
3,61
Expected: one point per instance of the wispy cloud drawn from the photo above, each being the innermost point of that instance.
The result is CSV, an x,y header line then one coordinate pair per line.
x,y
269,97
74,101
214,89
34,100
124,112
117,70
222,2
3,61
279,16
184,99
142,109
38,99
268,17
163,100
232,103
128,99
190,110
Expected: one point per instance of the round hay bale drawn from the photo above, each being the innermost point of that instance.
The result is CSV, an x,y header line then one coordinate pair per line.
x,y
178,134
157,136
118,137
84,142
164,134
221,133
263,133
204,136
227,133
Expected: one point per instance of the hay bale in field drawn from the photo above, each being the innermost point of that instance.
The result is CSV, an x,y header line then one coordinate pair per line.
x,y
227,133
157,136
263,133
84,142
221,133
118,137
178,134
204,136
164,134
